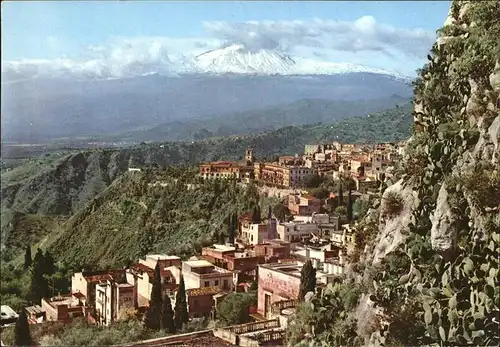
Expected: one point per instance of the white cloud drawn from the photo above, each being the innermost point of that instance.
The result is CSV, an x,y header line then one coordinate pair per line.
x,y
363,35
364,41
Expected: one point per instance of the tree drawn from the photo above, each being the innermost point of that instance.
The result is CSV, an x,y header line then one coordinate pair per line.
x,y
167,316
360,207
256,214
349,206
231,231
222,238
39,287
153,318
49,264
307,279
251,195
282,212
341,195
233,309
320,193
27,257
181,316
313,181
236,225
22,330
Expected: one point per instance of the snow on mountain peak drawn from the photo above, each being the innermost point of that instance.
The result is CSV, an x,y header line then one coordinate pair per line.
x,y
237,59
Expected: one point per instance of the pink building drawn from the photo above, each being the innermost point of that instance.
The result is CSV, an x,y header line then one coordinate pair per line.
x,y
277,282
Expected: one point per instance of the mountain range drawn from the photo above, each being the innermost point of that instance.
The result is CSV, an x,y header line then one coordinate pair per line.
x,y
181,92
41,110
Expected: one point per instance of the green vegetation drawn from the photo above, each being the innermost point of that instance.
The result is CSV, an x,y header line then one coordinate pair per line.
x,y
39,195
153,319
134,217
22,330
39,286
349,205
282,212
81,333
181,316
307,279
393,204
327,319
167,315
27,258
234,308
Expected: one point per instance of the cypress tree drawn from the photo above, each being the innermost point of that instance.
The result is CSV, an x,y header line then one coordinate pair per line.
x,y
349,206
222,238
50,266
22,334
307,279
39,287
215,236
181,316
27,257
236,225
256,214
231,229
167,316
154,314
341,195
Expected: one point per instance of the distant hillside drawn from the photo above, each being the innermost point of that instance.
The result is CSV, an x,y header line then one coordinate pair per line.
x,y
134,217
39,110
64,185
302,112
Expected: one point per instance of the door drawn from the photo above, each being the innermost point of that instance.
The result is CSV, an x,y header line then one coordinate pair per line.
x,y
267,306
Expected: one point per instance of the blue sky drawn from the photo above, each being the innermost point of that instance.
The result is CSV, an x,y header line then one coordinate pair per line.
x,y
65,30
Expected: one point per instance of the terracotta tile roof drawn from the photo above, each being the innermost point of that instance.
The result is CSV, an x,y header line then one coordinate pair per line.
x,y
99,278
203,291
96,276
144,268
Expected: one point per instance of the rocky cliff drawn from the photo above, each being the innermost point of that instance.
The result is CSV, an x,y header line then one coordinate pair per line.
x,y
443,215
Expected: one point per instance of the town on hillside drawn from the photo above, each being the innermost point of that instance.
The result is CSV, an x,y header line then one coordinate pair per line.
x,y
266,255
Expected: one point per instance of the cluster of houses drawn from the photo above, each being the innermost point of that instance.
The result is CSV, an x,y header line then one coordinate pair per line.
x,y
270,253
364,163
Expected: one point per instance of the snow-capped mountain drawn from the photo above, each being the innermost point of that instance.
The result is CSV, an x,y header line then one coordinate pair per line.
x,y
238,60
230,59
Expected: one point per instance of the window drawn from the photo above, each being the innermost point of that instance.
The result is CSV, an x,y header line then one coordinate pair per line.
x,y
226,284
207,284
216,282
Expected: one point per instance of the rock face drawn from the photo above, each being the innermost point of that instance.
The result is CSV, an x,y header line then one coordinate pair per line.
x,y
444,230
450,202
394,228
480,107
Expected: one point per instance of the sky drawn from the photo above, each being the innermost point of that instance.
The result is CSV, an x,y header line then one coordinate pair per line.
x,y
116,36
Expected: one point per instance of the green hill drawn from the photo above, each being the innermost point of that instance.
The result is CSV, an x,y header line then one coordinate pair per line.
x,y
134,216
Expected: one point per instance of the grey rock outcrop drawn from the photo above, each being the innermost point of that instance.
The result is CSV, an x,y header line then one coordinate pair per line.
x,y
444,230
393,229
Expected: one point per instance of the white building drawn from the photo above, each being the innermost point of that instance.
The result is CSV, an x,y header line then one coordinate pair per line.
x,y
112,300
201,274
